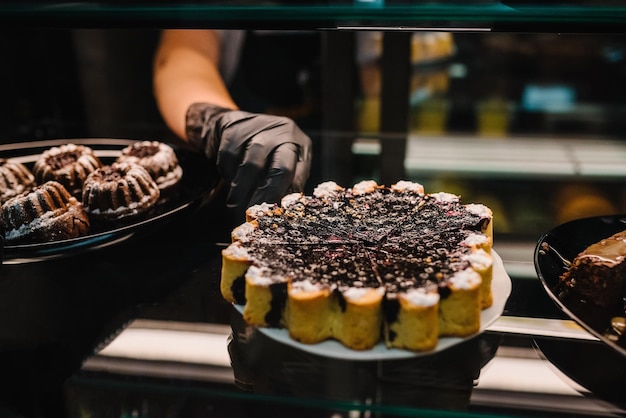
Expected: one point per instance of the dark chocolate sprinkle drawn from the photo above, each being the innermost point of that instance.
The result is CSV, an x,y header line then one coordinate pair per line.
x,y
396,240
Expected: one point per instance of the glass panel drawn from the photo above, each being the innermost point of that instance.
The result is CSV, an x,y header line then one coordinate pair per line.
x,y
514,15
529,124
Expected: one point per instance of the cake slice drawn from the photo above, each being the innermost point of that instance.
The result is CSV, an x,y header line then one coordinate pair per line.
x,y
412,320
266,291
309,312
235,263
334,293
482,263
459,307
598,273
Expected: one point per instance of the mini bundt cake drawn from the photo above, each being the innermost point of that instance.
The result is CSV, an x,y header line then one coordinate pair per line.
x,y
158,159
119,191
15,178
46,213
69,164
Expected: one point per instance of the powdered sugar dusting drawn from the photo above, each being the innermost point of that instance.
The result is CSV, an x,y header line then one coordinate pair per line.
x,y
260,276
478,209
326,189
465,279
408,186
421,297
445,197
261,209
364,187
480,259
353,294
242,231
475,240
236,251
304,286
290,199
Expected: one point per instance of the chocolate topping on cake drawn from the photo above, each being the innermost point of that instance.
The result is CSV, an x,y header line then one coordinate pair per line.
x,y
348,238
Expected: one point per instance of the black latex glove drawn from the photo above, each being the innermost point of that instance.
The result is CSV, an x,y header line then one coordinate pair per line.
x,y
263,157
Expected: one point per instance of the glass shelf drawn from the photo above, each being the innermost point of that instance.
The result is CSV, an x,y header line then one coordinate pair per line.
x,y
399,15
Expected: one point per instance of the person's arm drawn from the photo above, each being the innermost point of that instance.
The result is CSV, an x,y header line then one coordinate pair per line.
x,y
186,72
262,157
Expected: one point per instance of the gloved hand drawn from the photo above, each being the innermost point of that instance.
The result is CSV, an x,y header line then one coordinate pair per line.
x,y
263,157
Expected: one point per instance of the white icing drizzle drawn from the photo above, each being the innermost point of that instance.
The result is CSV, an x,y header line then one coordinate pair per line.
x,y
465,279
421,297
408,186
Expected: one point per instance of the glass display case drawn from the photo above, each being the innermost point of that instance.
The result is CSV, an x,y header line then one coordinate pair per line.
x,y
514,104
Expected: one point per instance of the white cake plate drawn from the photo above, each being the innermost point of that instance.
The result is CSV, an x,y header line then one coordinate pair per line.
x,y
500,287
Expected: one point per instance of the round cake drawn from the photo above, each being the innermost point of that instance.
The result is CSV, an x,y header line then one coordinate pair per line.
x,y
363,265
69,164
118,192
46,213
15,178
158,158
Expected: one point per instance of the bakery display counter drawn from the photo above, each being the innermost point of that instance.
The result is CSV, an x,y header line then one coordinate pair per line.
x,y
139,326
148,334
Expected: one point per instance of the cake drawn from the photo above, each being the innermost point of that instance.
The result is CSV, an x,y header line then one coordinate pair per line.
x,y
158,158
46,213
363,265
598,273
15,178
119,192
68,164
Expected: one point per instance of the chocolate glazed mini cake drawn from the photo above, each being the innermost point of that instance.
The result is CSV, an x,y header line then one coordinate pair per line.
x,y
15,178
158,159
46,213
119,192
363,265
68,164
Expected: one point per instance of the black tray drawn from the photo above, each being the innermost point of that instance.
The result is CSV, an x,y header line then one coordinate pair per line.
x,y
592,364
559,246
194,189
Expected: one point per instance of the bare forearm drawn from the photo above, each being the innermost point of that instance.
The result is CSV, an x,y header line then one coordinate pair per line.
x,y
185,72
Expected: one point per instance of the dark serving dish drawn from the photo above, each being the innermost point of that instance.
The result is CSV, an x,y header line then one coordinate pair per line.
x,y
555,250
592,364
194,189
